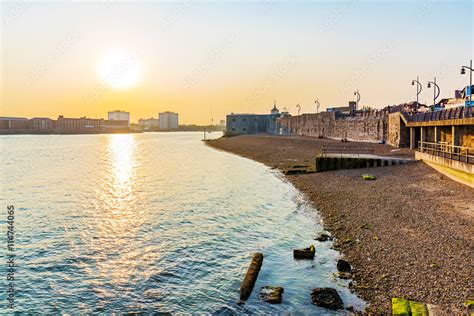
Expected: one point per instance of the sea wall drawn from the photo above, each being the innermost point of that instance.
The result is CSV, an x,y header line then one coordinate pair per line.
x,y
369,128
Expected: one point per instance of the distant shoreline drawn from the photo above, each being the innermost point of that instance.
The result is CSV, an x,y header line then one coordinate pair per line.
x,y
30,132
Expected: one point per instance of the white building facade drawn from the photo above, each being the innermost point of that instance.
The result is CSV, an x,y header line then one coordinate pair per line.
x,y
168,120
119,116
150,123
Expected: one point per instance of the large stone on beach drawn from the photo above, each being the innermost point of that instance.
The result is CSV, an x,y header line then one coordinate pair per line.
x,y
343,266
271,294
306,253
326,297
323,237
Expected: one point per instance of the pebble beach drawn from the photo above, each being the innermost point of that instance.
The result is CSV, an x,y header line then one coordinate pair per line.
x,y
407,234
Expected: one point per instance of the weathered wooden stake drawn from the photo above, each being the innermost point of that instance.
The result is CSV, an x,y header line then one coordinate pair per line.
x,y
248,283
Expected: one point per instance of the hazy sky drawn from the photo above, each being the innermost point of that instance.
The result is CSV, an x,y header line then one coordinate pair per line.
x,y
198,57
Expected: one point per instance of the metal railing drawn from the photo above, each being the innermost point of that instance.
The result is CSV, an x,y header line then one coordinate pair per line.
x,y
347,150
445,150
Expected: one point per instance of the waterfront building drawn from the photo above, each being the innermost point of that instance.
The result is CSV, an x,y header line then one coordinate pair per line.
x,y
115,124
13,123
168,120
118,115
42,123
344,109
77,124
149,124
238,124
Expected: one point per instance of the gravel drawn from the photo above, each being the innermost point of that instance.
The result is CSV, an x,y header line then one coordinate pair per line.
x,y
407,234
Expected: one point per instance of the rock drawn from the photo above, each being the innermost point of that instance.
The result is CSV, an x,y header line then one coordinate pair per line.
x,y
271,294
306,253
326,297
323,237
343,266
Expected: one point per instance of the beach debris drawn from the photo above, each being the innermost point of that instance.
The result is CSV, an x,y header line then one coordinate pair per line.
x,y
299,166
326,297
272,294
344,275
306,253
367,176
248,283
290,172
323,237
402,306
343,266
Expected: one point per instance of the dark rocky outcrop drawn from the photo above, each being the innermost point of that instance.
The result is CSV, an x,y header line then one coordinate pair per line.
x,y
343,266
248,283
306,253
323,237
326,297
271,294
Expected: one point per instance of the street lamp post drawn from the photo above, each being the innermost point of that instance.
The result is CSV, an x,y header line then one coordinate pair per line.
x,y
358,99
317,105
419,87
298,106
463,71
435,96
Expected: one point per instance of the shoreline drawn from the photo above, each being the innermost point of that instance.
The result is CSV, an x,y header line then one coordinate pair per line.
x,y
407,234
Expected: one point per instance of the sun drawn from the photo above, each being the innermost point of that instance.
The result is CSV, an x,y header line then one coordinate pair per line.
x,y
119,70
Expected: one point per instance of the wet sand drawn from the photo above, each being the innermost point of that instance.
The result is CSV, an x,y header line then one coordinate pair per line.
x,y
407,234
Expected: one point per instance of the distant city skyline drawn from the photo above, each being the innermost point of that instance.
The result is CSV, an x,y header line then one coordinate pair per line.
x,y
205,59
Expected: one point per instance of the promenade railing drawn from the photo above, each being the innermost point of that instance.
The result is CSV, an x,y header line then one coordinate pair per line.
x,y
442,149
357,150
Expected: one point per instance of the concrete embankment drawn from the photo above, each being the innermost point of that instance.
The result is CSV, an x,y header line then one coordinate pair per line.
x,y
407,234
347,161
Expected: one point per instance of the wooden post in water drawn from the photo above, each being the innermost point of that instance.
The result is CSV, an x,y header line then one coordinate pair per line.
x,y
248,283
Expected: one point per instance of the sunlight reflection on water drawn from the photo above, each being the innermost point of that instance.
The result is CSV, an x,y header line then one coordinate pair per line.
x,y
155,222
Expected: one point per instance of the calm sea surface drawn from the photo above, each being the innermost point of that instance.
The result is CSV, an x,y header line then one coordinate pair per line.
x,y
153,222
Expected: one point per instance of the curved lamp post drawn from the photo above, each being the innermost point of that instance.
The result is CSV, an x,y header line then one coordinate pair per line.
x,y
358,98
317,105
419,87
463,71
435,96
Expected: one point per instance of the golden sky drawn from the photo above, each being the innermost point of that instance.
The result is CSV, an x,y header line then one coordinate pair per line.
x,y
207,59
